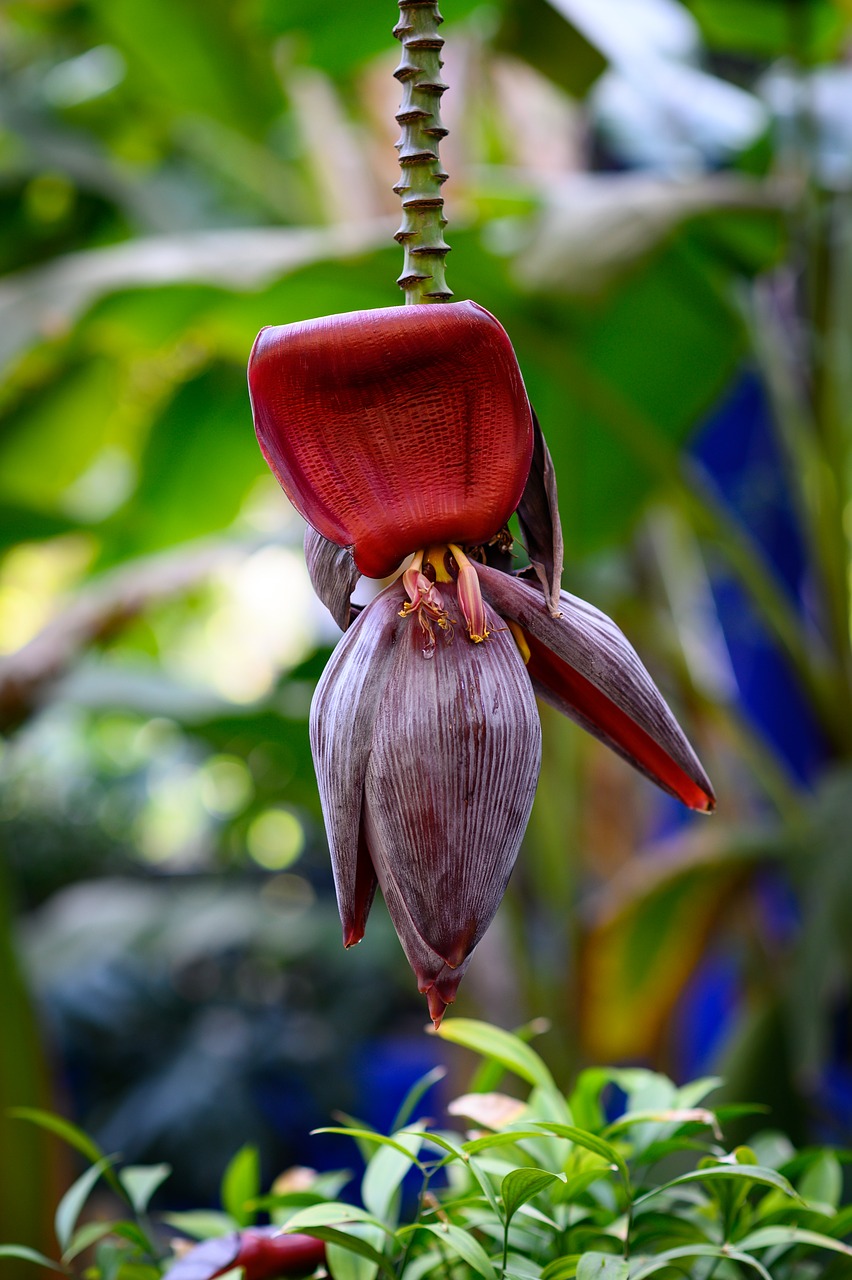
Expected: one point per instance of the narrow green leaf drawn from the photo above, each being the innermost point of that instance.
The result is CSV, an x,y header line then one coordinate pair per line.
x,y
521,1185
419,1267
86,1236
69,1133
502,1046
133,1232
751,1173
334,1235
484,1183
581,1138
769,1237
675,1116
486,1078
368,1135
345,1264
689,1095
417,1091
28,1255
329,1215
462,1243
602,1266
519,1268
822,1181
670,1256
562,1268
141,1181
201,1224
71,1204
577,1183
440,1140
385,1171
240,1184
505,1138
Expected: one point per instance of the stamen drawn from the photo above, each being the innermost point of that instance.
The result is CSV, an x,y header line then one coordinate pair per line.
x,y
470,597
426,601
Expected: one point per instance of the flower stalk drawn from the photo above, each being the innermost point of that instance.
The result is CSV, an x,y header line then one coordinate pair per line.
x,y
421,232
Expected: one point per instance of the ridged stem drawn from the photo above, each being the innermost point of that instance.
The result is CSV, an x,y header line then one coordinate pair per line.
x,y
422,231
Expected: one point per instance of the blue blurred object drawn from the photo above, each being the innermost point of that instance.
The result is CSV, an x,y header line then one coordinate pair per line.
x,y
738,450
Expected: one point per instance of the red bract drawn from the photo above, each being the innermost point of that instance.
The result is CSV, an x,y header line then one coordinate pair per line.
x,y
392,429
424,727
264,1253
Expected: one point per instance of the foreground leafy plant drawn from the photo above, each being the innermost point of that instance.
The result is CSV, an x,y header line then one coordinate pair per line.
x,y
551,1187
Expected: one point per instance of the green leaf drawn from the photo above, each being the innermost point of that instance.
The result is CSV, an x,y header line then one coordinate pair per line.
x,y
670,1256
201,1224
141,1181
194,59
461,1154
64,1129
345,1264
71,1204
522,1185
339,36
28,1255
749,1173
86,1236
696,1091
602,1266
564,1268
368,1135
419,1267
353,1243
240,1184
329,1215
65,421
671,1119
462,1243
502,1046
822,1181
592,1143
779,1237
417,1091
385,1171
505,1138
763,30
535,31
200,460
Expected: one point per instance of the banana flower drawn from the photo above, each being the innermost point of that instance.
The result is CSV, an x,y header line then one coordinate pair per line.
x,y
405,435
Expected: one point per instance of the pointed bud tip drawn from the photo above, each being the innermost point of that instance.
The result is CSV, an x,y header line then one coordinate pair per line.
x,y
352,935
437,1007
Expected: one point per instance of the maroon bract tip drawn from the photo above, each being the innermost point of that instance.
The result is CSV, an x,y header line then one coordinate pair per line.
x,y
264,1253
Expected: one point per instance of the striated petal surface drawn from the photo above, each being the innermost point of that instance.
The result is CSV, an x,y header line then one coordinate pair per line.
x,y
333,575
343,713
395,428
538,514
583,665
448,789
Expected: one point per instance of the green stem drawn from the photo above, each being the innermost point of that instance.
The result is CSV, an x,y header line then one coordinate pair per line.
x,y
422,231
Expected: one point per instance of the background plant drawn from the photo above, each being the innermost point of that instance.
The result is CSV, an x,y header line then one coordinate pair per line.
x,y
171,180
553,1186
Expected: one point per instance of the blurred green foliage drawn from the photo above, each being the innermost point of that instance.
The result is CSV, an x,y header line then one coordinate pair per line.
x,y
175,175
